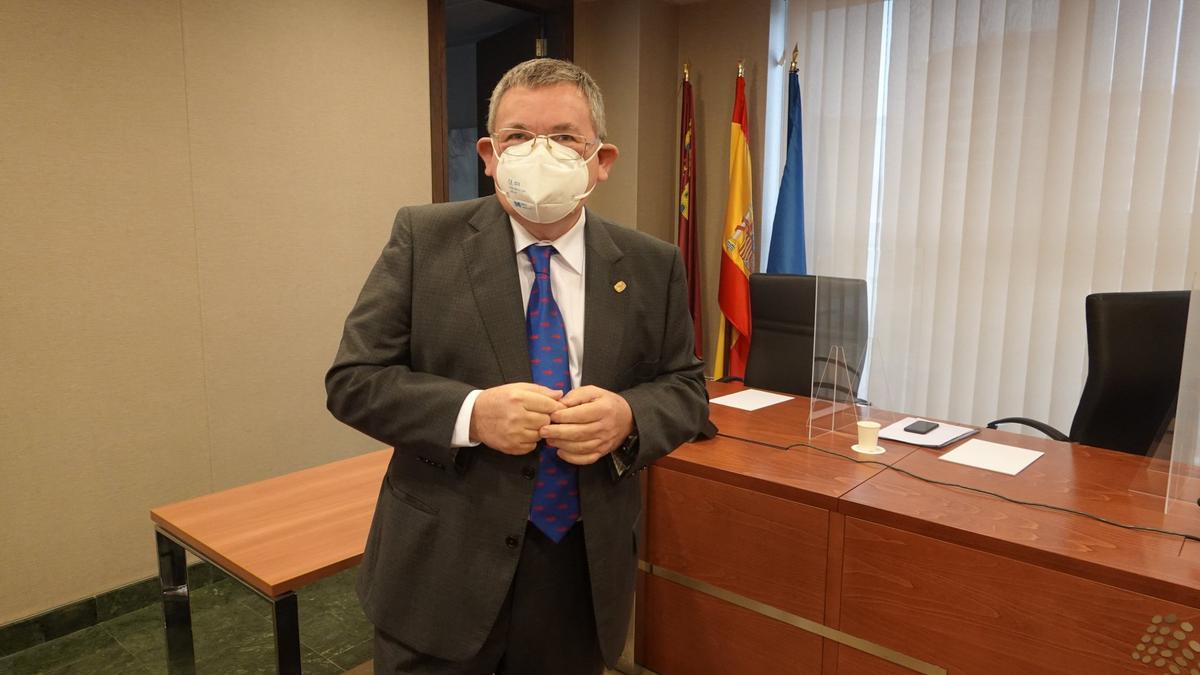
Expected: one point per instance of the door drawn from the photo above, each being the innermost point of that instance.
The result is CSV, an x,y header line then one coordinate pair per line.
x,y
472,43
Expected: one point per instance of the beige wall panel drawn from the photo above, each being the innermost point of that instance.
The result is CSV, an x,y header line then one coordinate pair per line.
x,y
713,35
605,39
102,412
657,129
309,126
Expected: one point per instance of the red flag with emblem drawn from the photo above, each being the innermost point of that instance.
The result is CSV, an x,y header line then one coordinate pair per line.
x,y
737,245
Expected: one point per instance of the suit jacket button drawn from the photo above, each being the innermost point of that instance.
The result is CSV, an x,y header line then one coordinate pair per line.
x,y
512,542
529,472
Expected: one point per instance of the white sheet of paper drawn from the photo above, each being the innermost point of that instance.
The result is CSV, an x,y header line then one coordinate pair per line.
x,y
1007,459
750,399
934,439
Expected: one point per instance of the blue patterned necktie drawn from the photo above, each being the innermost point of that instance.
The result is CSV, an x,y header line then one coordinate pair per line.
x,y
555,506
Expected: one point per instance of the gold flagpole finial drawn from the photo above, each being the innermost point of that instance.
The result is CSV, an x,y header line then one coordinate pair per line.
x,y
741,68
686,75
795,58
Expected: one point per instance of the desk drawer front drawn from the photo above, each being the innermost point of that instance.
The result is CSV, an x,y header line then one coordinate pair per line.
x,y
686,631
975,612
765,548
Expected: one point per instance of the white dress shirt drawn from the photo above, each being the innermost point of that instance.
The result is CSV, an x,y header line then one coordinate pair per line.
x,y
567,285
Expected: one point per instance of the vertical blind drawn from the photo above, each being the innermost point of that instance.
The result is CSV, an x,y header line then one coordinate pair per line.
x,y
985,164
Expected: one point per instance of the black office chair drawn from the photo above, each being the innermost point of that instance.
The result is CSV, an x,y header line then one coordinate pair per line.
x,y
793,327
1135,355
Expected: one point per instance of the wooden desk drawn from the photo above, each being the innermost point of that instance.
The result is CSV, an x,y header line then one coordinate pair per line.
x,y
274,536
760,560
787,423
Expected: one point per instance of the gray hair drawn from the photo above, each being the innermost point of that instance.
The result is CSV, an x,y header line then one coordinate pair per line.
x,y
543,73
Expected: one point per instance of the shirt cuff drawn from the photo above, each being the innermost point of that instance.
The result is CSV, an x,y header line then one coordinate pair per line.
x,y
461,438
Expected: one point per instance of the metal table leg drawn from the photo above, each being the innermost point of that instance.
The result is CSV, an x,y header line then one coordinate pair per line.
x,y
285,612
177,613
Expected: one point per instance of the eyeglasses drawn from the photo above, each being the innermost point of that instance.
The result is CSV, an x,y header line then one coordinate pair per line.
x,y
561,145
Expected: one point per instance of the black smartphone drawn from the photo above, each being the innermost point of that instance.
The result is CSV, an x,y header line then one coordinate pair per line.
x,y
921,427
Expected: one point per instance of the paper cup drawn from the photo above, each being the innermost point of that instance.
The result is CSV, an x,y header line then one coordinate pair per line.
x,y
868,435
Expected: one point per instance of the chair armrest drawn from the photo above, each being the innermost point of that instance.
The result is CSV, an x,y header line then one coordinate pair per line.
x,y
1025,421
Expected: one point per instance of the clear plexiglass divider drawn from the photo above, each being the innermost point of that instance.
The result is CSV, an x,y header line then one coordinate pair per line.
x,y
1183,460
831,393
861,309
842,356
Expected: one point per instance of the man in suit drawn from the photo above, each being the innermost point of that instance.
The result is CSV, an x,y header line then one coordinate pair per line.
x,y
525,358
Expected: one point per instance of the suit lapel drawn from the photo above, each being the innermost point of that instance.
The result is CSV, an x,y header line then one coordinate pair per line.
x,y
604,308
491,264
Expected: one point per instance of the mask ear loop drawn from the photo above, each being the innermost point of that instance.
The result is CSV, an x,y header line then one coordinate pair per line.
x,y
585,161
595,152
585,194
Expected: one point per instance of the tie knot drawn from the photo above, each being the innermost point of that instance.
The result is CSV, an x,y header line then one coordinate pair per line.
x,y
539,255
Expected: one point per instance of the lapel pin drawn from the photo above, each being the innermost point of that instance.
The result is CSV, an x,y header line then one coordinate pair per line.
x,y
619,287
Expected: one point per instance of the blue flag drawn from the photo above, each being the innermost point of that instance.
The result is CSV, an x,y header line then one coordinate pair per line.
x,y
787,254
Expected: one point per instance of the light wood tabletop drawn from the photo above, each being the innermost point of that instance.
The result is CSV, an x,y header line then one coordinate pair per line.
x,y
283,533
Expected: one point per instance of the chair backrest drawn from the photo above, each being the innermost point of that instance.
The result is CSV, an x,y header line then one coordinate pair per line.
x,y
1135,355
793,327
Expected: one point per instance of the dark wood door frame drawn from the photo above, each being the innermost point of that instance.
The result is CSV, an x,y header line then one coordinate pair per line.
x,y
438,133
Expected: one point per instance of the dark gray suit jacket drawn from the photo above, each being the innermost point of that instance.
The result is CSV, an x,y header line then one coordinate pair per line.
x,y
441,314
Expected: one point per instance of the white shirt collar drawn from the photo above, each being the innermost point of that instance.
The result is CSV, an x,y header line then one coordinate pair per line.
x,y
571,246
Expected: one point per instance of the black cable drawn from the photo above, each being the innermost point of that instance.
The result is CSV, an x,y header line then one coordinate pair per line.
x,y
997,495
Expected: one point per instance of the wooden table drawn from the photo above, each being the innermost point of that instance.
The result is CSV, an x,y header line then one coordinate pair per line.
x,y
760,559
274,536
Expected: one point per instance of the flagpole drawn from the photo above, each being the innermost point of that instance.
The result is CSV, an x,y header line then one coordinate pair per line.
x,y
719,358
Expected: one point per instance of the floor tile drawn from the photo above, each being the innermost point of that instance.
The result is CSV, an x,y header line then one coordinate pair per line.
x,y
141,633
257,656
315,664
252,653
336,592
230,627
111,660
153,662
353,655
257,604
330,632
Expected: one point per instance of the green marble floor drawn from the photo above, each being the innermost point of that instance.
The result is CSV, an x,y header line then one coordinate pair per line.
x,y
231,628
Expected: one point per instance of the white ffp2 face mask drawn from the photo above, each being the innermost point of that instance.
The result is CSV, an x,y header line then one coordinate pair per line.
x,y
542,187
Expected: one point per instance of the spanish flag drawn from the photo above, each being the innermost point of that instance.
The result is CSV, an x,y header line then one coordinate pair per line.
x,y
737,246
